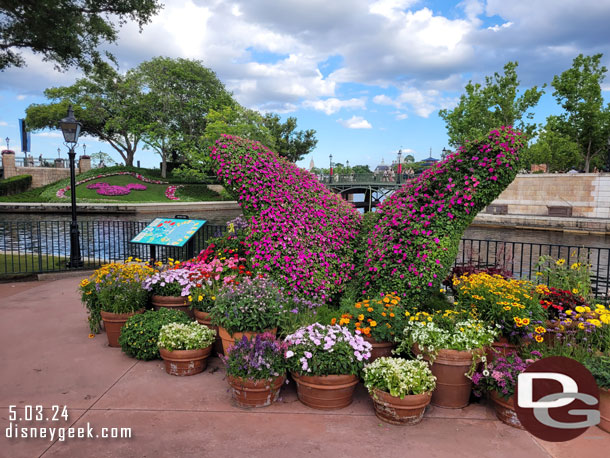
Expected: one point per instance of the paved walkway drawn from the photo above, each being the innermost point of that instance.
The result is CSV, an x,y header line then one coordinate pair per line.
x,y
47,359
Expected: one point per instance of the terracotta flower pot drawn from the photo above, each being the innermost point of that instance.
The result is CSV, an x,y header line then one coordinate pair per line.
x,y
204,318
185,362
604,409
228,340
505,410
500,348
255,393
406,411
380,348
173,303
452,386
325,392
113,323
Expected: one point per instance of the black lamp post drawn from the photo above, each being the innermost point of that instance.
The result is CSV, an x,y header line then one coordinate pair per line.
x,y
70,127
330,156
399,165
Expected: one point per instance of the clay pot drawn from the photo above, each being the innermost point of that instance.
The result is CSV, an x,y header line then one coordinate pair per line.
x,y
173,303
604,409
380,349
452,386
185,362
500,348
505,411
204,318
325,392
406,411
113,323
255,393
228,340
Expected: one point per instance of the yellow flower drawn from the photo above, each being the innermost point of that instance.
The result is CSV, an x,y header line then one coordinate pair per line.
x,y
361,317
539,338
569,312
200,298
373,323
407,313
525,321
574,291
581,326
91,336
580,309
540,330
575,266
538,274
213,298
560,262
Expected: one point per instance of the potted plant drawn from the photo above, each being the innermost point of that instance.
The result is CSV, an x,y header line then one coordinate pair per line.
x,y
254,305
599,365
512,305
113,294
185,347
171,288
378,320
453,344
499,379
400,389
256,370
325,362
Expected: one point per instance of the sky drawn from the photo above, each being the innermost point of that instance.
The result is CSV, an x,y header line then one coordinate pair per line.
x,y
368,75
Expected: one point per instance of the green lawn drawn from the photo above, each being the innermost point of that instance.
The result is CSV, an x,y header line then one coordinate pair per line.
x,y
190,192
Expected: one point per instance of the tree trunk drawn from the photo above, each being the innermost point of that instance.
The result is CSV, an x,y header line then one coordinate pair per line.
x,y
164,165
588,157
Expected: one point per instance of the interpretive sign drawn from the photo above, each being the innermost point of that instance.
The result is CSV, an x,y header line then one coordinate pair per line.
x,y
169,231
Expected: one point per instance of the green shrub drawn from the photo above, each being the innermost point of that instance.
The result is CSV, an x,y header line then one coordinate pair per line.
x,y
15,185
140,334
599,366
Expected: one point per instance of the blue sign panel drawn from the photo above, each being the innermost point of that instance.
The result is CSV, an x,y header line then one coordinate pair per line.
x,y
169,231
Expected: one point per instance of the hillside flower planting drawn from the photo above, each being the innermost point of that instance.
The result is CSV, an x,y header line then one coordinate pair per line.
x,y
61,193
298,231
415,240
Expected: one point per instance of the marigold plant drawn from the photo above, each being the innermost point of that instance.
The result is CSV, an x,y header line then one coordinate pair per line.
x,y
380,318
511,304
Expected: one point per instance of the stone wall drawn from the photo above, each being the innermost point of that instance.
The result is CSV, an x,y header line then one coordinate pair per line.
x,y
587,195
42,176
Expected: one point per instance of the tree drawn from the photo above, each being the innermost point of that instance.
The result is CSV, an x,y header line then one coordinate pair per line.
x,y
361,169
585,120
289,143
553,148
496,104
101,159
176,97
67,32
105,102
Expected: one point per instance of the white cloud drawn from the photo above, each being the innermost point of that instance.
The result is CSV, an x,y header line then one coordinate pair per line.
x,y
3,123
21,97
332,105
422,102
355,122
497,28
390,8
401,116
48,134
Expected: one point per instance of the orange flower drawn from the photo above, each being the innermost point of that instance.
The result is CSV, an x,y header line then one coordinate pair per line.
x,y
358,324
358,305
366,331
383,314
370,309
392,315
333,321
91,336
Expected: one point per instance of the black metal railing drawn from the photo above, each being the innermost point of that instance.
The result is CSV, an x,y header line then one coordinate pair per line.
x,y
521,258
44,246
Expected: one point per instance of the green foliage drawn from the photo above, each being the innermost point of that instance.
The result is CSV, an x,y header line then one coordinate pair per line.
x,y
599,365
553,148
560,274
185,336
67,32
289,143
585,121
140,334
259,358
15,185
399,377
495,104
252,305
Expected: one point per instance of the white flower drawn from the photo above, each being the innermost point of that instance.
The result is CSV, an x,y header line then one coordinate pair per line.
x,y
486,373
289,354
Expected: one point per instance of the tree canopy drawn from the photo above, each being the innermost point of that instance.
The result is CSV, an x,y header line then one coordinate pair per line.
x,y
67,32
495,104
585,120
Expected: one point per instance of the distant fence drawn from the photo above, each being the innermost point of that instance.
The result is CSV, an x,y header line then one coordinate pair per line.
x,y
44,246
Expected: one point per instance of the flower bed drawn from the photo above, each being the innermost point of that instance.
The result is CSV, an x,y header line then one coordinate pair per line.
x,y
61,193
